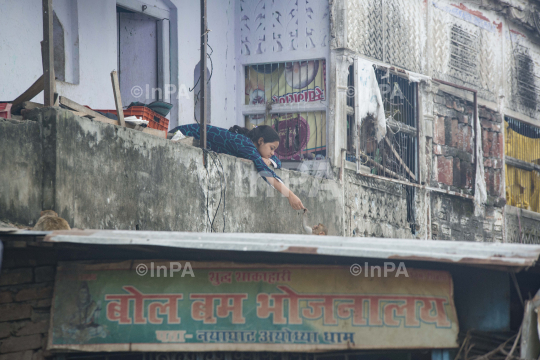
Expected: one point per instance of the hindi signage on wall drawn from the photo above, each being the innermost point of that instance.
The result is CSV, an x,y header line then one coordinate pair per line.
x,y
236,307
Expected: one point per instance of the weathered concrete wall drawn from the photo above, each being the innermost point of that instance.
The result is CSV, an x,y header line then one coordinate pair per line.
x,y
107,177
486,48
521,226
375,208
101,176
493,152
20,171
452,218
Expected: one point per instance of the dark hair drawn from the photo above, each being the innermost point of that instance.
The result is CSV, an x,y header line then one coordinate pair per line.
x,y
263,131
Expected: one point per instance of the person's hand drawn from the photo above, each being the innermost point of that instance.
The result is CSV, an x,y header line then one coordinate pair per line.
x,y
267,162
295,202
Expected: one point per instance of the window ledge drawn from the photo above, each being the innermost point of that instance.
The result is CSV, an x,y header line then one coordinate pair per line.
x,y
513,210
285,108
349,165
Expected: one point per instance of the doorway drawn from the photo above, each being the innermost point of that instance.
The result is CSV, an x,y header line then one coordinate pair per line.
x,y
137,57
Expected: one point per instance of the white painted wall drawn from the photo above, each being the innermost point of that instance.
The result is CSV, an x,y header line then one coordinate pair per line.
x,y
225,22
21,30
97,54
20,63
270,31
68,14
221,39
20,36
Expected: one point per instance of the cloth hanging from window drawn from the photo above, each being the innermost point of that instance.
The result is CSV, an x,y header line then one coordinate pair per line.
x,y
369,97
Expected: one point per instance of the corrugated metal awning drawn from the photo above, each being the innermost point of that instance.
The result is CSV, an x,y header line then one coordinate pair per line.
x,y
492,254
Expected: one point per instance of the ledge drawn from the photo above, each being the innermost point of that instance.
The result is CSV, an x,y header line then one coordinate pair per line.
x,y
513,210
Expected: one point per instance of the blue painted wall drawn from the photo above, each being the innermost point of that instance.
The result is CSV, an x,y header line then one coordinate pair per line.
x,y
482,298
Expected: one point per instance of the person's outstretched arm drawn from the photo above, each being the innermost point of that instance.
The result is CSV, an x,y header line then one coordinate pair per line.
x,y
294,200
249,151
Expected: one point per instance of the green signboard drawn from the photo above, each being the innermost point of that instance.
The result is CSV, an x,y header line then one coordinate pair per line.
x,y
182,306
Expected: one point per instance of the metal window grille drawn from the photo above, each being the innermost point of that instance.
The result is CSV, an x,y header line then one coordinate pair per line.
x,y
396,155
285,82
271,88
522,150
463,54
525,79
302,134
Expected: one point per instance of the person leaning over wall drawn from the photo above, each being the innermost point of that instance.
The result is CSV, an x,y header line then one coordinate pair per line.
x,y
257,145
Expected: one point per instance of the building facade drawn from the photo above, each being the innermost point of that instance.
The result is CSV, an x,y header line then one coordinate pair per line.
x,y
452,153
399,121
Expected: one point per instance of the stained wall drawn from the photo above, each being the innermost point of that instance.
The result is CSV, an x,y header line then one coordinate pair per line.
x,y
493,50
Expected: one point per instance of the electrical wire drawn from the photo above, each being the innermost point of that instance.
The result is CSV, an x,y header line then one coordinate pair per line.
x,y
207,81
223,189
213,155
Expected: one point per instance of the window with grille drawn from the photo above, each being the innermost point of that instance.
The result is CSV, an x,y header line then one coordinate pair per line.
x,y
464,45
290,97
525,80
395,156
522,168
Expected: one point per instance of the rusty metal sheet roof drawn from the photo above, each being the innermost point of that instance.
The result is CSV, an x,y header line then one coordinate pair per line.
x,y
491,254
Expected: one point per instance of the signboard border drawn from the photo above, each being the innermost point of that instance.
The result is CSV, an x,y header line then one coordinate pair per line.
x,y
205,347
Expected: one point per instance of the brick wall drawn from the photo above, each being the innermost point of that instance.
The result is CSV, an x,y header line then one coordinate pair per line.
x,y
453,146
493,149
453,143
453,169
26,288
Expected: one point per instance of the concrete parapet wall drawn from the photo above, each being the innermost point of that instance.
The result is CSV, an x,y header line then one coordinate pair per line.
x,y
101,176
453,219
522,226
21,171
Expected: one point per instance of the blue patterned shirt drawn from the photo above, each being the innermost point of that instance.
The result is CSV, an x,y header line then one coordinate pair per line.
x,y
226,142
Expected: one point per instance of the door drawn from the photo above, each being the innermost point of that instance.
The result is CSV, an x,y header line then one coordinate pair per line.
x,y
137,57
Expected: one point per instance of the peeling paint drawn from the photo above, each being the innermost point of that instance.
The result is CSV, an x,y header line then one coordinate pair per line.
x,y
464,13
470,11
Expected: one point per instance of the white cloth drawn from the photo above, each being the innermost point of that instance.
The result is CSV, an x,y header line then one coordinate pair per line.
x,y
135,120
369,97
178,136
480,191
414,77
